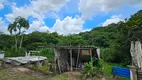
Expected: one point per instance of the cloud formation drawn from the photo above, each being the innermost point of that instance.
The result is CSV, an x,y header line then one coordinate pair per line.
x,y
24,11
37,26
64,12
113,19
43,6
38,10
89,8
3,26
68,26
1,4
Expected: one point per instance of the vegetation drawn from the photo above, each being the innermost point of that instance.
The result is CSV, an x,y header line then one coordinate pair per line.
x,y
112,39
91,71
48,53
18,27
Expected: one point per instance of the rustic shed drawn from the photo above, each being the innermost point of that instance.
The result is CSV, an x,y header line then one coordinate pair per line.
x,y
69,58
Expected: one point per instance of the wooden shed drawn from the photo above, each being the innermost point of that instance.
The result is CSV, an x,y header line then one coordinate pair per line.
x,y
69,58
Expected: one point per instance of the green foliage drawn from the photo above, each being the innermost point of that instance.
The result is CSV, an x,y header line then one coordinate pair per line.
x,y
112,39
44,68
6,41
93,70
48,53
13,52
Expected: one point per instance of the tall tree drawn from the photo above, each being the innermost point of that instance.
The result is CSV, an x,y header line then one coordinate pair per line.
x,y
22,25
19,26
12,28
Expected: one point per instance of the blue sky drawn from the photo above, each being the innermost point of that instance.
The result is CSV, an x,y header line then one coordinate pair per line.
x,y
66,16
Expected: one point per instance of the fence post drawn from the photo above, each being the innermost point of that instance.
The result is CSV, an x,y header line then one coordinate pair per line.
x,y
133,73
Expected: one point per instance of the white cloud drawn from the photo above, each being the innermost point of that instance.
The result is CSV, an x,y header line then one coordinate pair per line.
x,y
86,30
3,26
37,26
68,26
1,21
21,11
89,8
113,19
43,6
1,4
37,9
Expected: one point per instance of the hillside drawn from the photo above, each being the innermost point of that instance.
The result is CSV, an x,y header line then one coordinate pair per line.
x,y
112,39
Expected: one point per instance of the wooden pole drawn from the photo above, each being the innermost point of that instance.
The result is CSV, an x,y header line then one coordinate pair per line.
x,y
91,58
133,73
55,60
71,59
77,57
59,66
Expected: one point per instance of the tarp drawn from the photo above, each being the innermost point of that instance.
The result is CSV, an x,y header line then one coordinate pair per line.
x,y
119,71
98,52
139,51
136,53
134,56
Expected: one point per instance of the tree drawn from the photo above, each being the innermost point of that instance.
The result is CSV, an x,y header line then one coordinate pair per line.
x,y
11,28
22,23
18,26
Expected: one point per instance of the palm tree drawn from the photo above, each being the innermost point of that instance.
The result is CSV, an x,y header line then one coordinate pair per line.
x,y
22,24
11,28
18,26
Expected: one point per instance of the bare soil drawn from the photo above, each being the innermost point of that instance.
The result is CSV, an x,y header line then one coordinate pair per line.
x,y
22,73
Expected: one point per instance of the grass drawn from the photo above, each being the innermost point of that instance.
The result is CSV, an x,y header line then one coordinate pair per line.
x,y
44,68
60,77
108,68
12,74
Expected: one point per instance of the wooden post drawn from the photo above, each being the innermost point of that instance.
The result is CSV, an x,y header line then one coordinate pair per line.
x,y
77,57
59,66
133,73
91,58
55,60
71,59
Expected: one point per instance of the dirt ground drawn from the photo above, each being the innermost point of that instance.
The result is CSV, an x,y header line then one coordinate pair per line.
x,y
21,73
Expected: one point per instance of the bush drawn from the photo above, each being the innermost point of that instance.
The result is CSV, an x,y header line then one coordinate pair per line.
x,y
12,52
91,71
48,53
44,68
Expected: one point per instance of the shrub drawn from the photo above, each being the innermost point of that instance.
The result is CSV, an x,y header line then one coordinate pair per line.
x,y
93,70
48,53
44,68
12,52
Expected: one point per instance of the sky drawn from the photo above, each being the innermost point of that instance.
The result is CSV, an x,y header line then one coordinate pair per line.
x,y
66,16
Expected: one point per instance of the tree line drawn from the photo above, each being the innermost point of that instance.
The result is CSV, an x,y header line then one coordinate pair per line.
x,y
112,39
